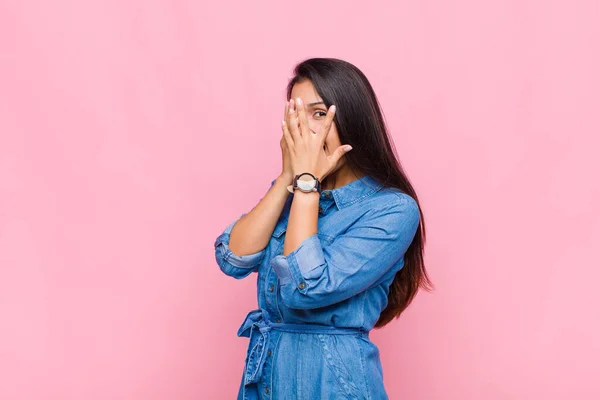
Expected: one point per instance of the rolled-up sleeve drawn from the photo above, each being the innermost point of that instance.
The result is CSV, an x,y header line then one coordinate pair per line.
x,y
314,276
232,264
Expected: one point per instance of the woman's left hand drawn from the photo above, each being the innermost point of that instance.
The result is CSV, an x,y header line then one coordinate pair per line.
x,y
305,147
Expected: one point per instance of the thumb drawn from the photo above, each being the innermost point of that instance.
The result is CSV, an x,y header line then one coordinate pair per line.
x,y
340,151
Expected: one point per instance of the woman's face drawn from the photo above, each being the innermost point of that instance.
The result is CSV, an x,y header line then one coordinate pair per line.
x,y
315,113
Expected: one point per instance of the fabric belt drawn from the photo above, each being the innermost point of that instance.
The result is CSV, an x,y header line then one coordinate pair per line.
x,y
256,324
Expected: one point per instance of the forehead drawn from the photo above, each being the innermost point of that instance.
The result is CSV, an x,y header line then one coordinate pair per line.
x,y
306,91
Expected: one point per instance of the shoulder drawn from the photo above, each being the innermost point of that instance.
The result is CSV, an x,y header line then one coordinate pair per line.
x,y
391,209
392,199
389,215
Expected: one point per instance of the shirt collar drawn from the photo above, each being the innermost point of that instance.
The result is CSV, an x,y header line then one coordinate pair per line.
x,y
353,192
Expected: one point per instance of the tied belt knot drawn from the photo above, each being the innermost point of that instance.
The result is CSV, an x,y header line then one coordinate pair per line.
x,y
257,327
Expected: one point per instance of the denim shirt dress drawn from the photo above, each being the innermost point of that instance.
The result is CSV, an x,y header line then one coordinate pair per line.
x,y
309,336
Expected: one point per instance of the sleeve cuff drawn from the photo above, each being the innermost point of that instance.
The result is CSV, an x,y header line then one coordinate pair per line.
x,y
245,261
296,267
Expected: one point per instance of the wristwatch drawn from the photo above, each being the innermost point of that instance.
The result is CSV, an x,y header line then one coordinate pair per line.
x,y
305,182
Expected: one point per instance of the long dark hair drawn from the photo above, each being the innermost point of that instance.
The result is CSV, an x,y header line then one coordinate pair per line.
x,y
359,122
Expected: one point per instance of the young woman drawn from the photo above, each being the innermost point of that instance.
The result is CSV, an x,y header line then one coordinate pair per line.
x,y
337,243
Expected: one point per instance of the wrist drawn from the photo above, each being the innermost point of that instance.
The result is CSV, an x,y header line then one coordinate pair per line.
x,y
306,195
287,179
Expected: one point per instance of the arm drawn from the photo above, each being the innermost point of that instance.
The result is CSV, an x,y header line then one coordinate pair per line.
x,y
313,276
240,249
303,219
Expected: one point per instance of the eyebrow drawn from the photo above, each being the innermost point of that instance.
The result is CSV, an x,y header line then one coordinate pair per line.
x,y
314,104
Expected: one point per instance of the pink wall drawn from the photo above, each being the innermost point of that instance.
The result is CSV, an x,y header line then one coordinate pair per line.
x,y
133,132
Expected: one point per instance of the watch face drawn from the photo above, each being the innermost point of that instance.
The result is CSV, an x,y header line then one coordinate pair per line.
x,y
306,183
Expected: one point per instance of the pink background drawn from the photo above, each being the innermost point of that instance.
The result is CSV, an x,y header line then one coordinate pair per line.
x,y
133,132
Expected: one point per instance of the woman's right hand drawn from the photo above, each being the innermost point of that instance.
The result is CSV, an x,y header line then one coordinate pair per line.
x,y
287,173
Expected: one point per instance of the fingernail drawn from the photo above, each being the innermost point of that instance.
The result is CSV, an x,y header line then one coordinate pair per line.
x,y
298,100
347,148
332,108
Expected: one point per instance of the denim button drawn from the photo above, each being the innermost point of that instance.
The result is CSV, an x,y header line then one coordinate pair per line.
x,y
271,288
320,210
327,195
277,320
302,285
267,389
268,353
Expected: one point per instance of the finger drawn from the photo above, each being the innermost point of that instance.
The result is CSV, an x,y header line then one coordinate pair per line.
x,y
286,135
301,112
292,125
290,106
338,153
287,107
324,131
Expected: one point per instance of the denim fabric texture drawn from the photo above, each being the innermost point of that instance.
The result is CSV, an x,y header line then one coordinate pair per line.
x,y
309,336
